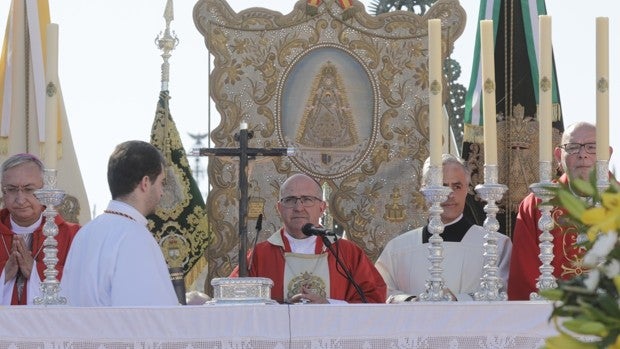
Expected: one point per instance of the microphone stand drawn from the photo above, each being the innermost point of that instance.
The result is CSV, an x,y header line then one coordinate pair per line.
x,y
259,227
347,273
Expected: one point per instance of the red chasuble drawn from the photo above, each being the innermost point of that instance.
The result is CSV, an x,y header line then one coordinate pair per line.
x,y
66,233
269,262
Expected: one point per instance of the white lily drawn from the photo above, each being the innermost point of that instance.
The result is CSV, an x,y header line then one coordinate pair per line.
x,y
612,269
602,246
592,279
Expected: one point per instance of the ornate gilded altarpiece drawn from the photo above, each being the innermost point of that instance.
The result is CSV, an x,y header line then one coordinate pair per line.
x,y
348,93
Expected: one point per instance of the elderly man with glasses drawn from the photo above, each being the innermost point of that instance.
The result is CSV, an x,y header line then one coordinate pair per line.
x,y
21,223
301,267
576,156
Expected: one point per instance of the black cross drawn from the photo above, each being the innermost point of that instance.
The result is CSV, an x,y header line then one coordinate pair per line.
x,y
243,152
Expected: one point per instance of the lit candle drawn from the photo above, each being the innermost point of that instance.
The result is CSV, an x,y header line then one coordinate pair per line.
x,y
602,88
51,100
545,88
488,96
435,114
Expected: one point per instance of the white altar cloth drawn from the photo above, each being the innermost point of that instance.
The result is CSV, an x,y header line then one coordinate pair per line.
x,y
423,325
249,326
349,326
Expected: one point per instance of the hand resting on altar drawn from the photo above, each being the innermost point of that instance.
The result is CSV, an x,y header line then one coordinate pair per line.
x,y
307,296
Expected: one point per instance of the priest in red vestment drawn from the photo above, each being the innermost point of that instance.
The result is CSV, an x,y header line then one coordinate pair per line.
x,y
577,157
301,267
21,223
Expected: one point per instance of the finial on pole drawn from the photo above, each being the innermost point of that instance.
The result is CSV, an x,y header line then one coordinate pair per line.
x,y
166,42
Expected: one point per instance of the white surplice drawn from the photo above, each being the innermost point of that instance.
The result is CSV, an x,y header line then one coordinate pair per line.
x,y
404,263
115,261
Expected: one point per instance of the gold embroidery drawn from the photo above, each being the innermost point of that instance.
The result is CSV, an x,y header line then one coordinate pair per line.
x,y
572,254
314,283
395,211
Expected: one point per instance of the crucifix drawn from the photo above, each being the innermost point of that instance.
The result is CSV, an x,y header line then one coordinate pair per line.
x,y
244,153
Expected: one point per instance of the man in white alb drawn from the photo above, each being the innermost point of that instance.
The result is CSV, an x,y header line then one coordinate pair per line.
x,y
404,261
114,259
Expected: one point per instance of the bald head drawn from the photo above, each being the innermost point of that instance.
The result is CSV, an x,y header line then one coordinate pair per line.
x,y
578,127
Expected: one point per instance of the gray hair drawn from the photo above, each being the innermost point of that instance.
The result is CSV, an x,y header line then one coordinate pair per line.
x,y
19,159
446,159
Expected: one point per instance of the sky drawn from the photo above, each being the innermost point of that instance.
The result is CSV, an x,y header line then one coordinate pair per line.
x,y
109,71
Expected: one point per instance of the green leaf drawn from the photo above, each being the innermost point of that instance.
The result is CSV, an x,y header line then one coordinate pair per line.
x,y
584,326
553,294
610,304
572,204
565,341
595,313
584,187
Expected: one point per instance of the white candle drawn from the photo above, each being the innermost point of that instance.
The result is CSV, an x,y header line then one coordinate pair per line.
x,y
435,114
545,89
602,88
488,95
243,125
51,102
20,63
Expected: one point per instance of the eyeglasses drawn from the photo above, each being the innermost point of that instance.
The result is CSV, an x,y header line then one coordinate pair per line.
x,y
574,148
306,201
13,190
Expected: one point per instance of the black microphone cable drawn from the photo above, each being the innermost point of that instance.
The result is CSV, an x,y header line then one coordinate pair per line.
x,y
259,227
344,271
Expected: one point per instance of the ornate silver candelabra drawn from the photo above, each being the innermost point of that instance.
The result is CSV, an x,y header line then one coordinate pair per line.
x,y
543,191
435,194
491,192
50,197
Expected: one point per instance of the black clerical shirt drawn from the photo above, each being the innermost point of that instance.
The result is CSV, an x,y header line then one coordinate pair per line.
x,y
453,232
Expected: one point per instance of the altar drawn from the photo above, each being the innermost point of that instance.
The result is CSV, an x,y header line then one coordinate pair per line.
x,y
468,325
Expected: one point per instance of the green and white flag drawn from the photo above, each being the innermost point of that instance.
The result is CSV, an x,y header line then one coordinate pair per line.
x,y
180,222
515,25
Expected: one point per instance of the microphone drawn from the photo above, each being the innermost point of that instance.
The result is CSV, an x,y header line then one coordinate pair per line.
x,y
309,229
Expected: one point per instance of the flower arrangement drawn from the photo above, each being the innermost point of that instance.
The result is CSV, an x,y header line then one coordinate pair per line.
x,y
587,308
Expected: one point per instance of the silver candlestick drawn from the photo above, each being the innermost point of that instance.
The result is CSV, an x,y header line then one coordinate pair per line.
x,y
491,192
435,194
602,175
50,197
544,191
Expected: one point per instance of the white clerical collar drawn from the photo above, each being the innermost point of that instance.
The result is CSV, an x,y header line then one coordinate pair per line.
x,y
19,230
454,221
126,209
306,245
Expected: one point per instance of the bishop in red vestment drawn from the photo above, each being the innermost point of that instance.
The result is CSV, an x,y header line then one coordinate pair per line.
x,y
21,223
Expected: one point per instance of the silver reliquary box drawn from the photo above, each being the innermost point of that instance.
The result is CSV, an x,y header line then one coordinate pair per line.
x,y
243,290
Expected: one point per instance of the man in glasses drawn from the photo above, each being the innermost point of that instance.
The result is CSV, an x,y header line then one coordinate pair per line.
x,y
21,223
576,156
301,267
